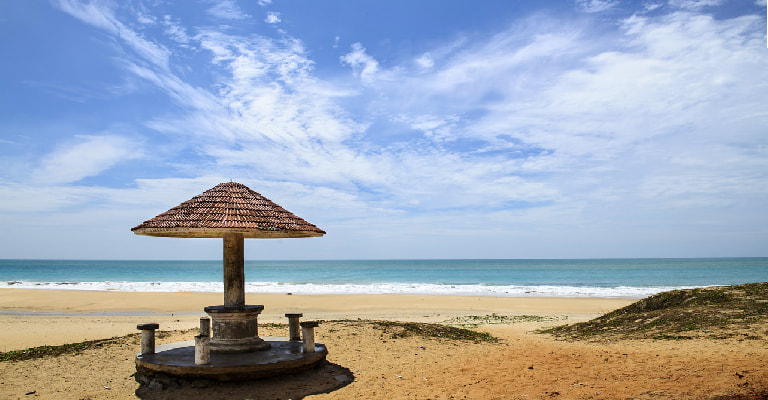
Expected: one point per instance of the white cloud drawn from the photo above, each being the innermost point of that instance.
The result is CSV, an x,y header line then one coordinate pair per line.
x,y
594,6
101,15
272,18
652,6
91,156
364,66
434,127
145,19
694,4
227,9
425,61
175,30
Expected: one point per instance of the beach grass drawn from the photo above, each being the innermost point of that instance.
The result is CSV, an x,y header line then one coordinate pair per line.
x,y
474,321
64,349
399,329
718,312
78,347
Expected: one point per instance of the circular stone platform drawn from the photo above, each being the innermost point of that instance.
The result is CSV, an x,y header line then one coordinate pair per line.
x,y
177,360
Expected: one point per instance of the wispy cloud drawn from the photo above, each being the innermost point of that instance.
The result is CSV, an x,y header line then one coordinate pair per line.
x,y
175,30
102,15
272,18
694,4
90,156
594,6
364,66
227,9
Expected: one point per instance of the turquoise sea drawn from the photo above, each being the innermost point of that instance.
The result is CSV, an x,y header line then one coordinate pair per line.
x,y
632,278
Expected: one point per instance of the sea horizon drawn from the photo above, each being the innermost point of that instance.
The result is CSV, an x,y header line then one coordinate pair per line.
x,y
384,259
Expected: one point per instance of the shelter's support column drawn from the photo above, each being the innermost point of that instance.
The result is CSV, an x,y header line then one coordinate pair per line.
x,y
308,335
147,337
234,270
293,326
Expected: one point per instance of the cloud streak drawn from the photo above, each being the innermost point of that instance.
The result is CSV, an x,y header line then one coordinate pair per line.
x,y
91,156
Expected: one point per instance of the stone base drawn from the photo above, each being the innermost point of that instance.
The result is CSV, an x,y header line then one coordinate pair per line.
x,y
235,329
175,362
238,345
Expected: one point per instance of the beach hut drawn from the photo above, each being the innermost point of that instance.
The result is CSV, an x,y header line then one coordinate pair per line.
x,y
233,212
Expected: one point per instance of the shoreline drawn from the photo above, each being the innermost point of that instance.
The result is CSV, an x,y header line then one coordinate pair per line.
x,y
425,289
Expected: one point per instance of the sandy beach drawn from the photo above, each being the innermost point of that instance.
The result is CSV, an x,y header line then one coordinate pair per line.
x,y
522,365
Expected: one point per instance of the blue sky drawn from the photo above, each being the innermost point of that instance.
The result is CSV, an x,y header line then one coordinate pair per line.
x,y
405,129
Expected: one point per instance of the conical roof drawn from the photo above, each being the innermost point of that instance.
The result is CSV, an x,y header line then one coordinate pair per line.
x,y
228,207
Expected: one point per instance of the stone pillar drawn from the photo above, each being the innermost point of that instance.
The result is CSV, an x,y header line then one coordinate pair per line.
x,y
205,326
293,326
234,270
147,338
308,335
202,350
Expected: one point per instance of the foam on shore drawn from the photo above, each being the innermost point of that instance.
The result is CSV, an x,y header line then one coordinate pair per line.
x,y
379,288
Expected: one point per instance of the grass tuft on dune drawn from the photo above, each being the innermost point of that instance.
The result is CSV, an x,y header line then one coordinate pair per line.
x,y
718,312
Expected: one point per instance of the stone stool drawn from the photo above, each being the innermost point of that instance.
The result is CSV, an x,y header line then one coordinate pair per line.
x,y
308,335
147,337
293,326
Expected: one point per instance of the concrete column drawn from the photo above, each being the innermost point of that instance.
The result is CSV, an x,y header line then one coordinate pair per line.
x,y
234,270
202,350
205,326
308,335
293,326
147,338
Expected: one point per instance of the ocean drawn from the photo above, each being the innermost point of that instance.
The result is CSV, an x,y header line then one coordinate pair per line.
x,y
624,278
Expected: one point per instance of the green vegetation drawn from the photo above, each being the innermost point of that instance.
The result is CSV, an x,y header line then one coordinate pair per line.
x,y
272,325
53,351
495,319
398,330
76,348
718,312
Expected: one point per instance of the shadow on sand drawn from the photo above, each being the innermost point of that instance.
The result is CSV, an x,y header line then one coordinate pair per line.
x,y
324,379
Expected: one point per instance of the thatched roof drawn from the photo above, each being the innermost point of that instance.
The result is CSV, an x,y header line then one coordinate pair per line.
x,y
228,208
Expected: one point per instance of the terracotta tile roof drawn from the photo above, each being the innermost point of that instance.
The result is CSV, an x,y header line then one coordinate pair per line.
x,y
228,207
